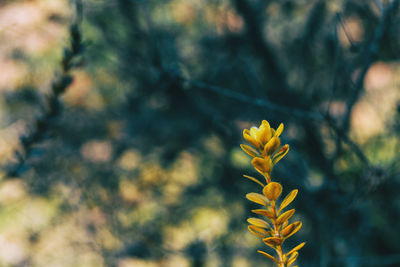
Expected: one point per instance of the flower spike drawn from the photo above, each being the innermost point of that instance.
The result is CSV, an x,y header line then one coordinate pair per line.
x,y
274,228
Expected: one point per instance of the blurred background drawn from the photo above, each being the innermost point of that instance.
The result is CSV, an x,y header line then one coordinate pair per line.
x,y
142,167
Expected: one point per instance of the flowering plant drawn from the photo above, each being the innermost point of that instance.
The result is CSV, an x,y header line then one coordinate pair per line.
x,y
275,228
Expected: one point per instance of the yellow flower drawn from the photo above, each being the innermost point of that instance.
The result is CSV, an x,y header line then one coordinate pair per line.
x,y
264,138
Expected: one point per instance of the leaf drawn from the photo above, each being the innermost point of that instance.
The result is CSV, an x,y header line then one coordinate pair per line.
x,y
265,133
279,130
268,256
257,198
272,190
258,222
267,213
272,145
280,154
254,180
262,165
260,232
296,248
285,216
285,224
292,258
273,241
291,229
288,199
250,139
249,150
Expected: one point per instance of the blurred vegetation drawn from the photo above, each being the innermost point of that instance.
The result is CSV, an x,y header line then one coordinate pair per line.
x,y
141,166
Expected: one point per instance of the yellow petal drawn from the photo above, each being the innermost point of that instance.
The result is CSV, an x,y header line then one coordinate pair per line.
x,y
258,222
280,154
272,145
254,132
268,256
267,213
257,231
291,229
279,130
296,248
288,199
292,258
250,139
272,190
285,216
257,198
273,241
254,180
265,132
249,150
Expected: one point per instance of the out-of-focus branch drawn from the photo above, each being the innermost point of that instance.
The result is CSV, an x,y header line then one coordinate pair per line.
x,y
298,113
254,33
370,51
61,82
346,139
314,20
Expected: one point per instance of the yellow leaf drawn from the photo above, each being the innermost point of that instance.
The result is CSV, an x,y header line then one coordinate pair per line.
x,y
272,145
265,132
249,150
273,241
292,258
254,180
296,248
285,216
272,190
291,229
253,132
267,213
288,230
257,198
280,154
250,139
260,232
288,199
262,165
279,130
268,256
258,222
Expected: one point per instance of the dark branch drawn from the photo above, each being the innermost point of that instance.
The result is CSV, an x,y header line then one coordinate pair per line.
x,y
61,82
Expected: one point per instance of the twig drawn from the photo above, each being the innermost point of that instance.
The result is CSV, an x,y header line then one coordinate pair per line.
x,y
255,34
335,63
346,32
303,114
59,85
371,52
346,139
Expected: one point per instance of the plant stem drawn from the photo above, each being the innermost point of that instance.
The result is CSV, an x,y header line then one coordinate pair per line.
x,y
278,249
